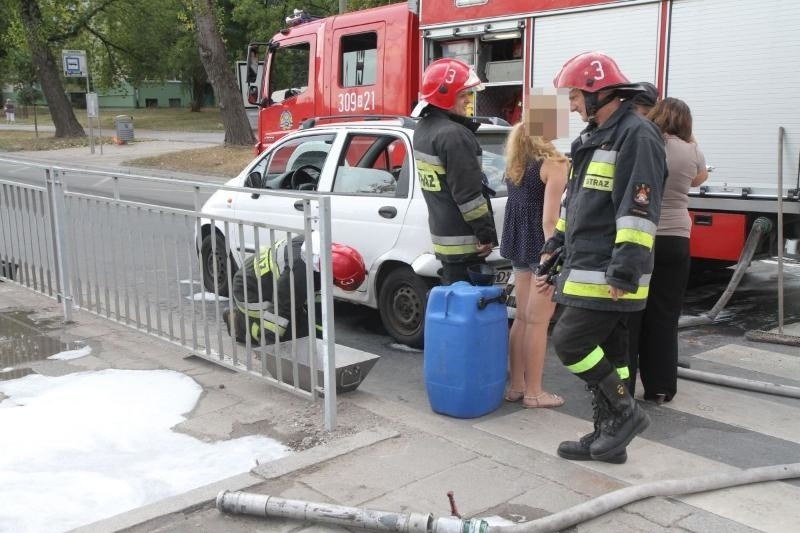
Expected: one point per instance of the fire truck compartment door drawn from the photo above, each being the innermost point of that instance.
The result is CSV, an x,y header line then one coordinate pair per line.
x,y
735,64
629,34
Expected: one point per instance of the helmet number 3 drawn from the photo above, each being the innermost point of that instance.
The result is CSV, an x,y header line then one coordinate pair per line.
x,y
450,76
600,74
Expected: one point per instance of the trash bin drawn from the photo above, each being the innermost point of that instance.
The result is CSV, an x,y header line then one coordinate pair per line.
x,y
124,124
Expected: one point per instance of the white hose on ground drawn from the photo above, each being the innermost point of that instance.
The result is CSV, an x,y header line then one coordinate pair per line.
x,y
740,383
761,227
272,507
265,506
671,487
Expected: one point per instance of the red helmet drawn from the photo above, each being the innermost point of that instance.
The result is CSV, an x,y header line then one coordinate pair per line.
x,y
348,267
444,79
590,72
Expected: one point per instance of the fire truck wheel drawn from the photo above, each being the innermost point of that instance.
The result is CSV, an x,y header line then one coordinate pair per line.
x,y
209,258
401,301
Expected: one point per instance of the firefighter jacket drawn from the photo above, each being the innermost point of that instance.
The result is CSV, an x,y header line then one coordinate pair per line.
x,y
610,213
448,159
279,269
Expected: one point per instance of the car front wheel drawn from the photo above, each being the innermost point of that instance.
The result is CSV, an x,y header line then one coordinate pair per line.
x,y
209,257
401,302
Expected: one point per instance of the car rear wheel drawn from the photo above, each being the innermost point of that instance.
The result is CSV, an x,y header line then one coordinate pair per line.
x,y
209,258
401,302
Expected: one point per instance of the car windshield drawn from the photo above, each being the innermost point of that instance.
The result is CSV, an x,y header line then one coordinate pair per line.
x,y
494,161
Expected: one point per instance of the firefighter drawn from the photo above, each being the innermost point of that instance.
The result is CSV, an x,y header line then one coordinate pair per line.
x,y
253,285
448,159
607,228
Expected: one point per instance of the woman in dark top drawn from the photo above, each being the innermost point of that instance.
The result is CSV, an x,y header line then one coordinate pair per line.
x,y
536,174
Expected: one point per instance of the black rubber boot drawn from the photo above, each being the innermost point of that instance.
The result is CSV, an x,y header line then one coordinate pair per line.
x,y
623,421
578,450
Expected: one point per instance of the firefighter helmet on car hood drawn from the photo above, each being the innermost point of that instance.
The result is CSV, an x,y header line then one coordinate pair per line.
x,y
443,80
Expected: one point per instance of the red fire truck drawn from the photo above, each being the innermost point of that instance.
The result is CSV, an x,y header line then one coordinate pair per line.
x,y
732,62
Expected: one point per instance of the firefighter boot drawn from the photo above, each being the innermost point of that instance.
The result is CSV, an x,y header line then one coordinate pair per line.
x,y
578,450
623,421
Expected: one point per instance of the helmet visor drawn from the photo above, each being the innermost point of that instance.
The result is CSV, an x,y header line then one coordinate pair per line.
x,y
474,82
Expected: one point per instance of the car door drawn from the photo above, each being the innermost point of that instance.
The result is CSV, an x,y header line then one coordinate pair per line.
x,y
279,172
370,193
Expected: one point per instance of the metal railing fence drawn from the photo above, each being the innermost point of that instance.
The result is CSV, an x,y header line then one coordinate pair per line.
x,y
139,263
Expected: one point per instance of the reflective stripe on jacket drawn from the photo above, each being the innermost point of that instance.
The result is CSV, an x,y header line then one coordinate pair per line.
x,y
279,268
610,213
448,159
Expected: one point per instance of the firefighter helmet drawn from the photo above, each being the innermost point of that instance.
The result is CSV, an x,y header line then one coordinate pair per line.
x,y
590,72
348,267
443,80
649,95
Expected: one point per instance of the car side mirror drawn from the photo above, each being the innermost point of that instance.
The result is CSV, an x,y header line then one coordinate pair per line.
x,y
252,95
255,181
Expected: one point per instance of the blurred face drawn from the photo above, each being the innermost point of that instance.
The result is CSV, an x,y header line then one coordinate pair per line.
x,y
463,100
548,115
577,104
643,110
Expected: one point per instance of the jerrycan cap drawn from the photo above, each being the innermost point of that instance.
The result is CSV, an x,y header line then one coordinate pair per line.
x,y
482,274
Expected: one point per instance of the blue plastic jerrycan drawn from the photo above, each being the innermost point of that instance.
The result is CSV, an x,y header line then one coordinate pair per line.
x,y
466,349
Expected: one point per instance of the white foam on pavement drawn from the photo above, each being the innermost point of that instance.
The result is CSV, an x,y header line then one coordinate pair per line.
x,y
78,448
206,296
72,354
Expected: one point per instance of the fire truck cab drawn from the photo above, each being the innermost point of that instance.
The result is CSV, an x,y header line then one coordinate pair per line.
x,y
360,63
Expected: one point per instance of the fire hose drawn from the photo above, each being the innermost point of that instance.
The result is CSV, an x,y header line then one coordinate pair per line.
x,y
266,506
761,227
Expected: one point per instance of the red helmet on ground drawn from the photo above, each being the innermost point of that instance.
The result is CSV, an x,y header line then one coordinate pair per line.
x,y
443,80
590,72
348,267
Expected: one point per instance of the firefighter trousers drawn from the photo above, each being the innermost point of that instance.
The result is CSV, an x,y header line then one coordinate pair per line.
x,y
591,343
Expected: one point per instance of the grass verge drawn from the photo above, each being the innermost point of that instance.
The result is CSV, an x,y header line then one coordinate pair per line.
x,y
151,118
218,160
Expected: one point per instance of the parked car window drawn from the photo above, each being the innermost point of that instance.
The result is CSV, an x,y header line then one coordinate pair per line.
x,y
371,165
309,152
494,160
288,72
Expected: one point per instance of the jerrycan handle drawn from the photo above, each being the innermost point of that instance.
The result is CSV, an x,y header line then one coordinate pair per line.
x,y
483,302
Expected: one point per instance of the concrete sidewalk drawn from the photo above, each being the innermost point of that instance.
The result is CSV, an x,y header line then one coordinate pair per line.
x,y
385,455
148,143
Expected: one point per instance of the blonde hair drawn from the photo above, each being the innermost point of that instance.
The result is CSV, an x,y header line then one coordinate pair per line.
x,y
523,149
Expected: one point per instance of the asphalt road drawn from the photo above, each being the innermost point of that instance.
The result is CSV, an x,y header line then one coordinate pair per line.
x,y
171,193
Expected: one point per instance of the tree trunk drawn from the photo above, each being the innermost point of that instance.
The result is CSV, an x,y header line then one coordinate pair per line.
x,y
46,68
199,81
220,74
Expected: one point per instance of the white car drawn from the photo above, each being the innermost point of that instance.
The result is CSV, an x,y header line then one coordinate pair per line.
x,y
367,168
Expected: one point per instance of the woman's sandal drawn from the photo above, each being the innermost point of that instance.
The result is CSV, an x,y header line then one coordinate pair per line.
x,y
514,395
545,399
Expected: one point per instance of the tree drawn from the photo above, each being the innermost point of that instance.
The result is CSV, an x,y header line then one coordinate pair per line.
x,y
47,70
215,60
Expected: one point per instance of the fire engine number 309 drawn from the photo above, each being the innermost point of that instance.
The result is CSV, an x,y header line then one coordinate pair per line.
x,y
356,102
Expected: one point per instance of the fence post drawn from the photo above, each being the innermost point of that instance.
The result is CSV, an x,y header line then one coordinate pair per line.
x,y
55,191
328,333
